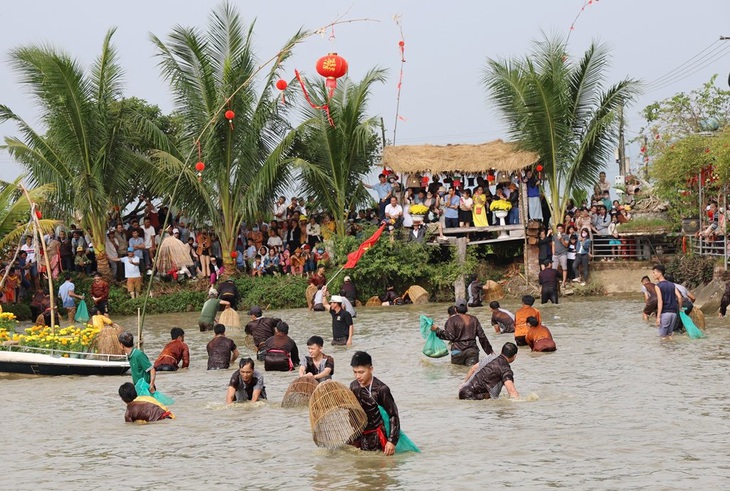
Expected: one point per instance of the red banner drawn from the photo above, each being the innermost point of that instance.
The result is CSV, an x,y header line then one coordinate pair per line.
x,y
354,257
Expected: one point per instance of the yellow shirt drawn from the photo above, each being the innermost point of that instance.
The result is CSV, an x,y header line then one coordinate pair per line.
x,y
98,321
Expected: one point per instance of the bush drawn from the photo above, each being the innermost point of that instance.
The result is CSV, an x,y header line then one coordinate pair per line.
x,y
692,271
401,264
272,292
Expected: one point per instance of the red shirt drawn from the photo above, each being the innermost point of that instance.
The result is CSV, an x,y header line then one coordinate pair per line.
x,y
172,353
100,290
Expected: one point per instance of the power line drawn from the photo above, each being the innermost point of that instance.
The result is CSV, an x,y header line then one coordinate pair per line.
x,y
698,69
692,59
700,64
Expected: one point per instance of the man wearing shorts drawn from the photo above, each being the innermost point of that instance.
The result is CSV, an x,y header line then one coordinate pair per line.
x,y
561,242
668,301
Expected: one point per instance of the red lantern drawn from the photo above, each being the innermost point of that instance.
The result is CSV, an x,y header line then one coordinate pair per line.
x,y
401,43
539,168
200,167
234,254
38,214
332,67
281,84
230,115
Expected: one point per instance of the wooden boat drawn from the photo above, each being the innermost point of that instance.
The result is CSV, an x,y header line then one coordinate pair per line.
x,y
40,361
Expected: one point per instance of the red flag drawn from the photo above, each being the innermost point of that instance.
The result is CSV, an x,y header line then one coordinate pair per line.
x,y
354,257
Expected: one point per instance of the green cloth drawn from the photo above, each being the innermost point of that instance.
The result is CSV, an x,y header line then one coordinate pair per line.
x,y
210,308
139,365
404,443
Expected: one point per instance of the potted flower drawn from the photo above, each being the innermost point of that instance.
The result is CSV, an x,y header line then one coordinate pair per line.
x,y
418,212
501,208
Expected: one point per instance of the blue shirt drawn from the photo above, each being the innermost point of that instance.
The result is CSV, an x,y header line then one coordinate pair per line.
x,y
453,212
383,189
64,292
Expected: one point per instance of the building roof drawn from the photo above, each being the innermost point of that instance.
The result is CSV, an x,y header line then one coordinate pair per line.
x,y
467,159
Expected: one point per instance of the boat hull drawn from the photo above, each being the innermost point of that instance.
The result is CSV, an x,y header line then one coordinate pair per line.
x,y
43,364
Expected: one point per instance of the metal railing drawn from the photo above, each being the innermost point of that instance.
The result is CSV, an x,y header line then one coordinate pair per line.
x,y
60,353
634,248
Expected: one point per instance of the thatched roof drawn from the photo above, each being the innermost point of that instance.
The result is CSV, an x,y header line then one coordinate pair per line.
x,y
468,159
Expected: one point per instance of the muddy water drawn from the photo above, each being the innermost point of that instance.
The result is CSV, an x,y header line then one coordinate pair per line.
x,y
613,408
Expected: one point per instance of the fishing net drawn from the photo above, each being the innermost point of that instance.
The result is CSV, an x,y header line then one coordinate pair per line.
x,y
434,347
692,330
335,415
229,318
173,254
374,301
698,317
417,294
299,392
404,444
143,389
82,313
492,291
107,341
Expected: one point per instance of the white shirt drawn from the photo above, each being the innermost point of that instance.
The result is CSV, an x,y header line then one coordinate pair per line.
x,y
149,232
274,241
394,211
407,218
131,267
31,252
280,211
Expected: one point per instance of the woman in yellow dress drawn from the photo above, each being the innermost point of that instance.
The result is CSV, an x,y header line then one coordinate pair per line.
x,y
480,209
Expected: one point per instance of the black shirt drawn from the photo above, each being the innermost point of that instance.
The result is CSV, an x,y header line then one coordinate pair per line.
x,y
341,322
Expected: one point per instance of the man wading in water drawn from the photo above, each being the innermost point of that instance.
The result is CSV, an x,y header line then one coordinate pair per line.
x,y
463,330
371,393
668,301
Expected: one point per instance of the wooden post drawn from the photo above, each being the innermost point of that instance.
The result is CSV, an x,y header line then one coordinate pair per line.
x,y
460,283
39,232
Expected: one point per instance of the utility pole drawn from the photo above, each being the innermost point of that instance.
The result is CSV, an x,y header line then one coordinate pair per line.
x,y
621,142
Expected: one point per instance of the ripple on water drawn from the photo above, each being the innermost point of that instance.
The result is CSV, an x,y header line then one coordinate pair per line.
x,y
613,408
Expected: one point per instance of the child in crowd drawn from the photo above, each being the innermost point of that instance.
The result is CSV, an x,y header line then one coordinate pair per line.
x,y
257,269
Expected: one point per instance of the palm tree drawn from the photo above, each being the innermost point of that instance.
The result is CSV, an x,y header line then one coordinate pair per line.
x,y
15,211
333,159
244,159
83,152
560,110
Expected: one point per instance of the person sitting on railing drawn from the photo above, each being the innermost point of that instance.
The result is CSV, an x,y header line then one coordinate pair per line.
x,y
714,228
394,214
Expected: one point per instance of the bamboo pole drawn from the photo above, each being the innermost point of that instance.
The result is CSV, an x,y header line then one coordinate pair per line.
x,y
37,224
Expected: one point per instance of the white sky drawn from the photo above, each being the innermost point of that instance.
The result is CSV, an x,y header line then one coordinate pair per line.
x,y
446,45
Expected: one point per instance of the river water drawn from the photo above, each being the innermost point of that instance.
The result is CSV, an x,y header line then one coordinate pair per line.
x,y
613,408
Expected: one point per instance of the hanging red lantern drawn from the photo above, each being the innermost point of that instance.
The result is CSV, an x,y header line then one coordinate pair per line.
x,y
200,167
332,67
234,254
281,84
230,115
38,214
539,168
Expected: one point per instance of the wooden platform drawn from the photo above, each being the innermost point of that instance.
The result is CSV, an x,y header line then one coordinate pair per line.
x,y
491,228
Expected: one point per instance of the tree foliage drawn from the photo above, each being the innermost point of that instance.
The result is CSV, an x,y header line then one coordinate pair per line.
x,y
85,152
245,159
559,109
333,159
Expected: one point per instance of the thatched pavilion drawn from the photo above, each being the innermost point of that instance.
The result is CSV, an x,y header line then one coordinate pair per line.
x,y
460,158
464,159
